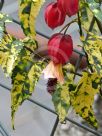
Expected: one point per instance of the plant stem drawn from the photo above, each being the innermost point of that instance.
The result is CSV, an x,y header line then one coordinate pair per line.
x,y
67,25
66,30
80,26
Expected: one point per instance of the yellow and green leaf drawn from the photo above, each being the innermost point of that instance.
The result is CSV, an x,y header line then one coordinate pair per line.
x,y
61,97
24,78
30,43
9,51
93,49
83,97
28,11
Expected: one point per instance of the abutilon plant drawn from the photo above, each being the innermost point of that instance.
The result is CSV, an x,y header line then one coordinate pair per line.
x,y
19,57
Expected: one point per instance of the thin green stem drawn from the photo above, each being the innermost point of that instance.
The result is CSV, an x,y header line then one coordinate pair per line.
x,y
67,25
66,30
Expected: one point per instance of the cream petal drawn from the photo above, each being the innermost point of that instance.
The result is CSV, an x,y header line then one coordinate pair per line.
x,y
54,71
49,71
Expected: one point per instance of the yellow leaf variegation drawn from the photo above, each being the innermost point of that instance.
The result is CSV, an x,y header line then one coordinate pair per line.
x,y
24,78
93,49
83,97
61,101
30,44
28,11
9,51
60,97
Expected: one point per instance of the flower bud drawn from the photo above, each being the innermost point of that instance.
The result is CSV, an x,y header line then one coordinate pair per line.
x,y
54,17
60,48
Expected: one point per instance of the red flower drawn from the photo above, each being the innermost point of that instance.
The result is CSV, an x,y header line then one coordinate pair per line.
x,y
70,7
54,16
60,48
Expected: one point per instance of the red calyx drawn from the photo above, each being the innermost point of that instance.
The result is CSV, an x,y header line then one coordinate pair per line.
x,y
60,48
70,7
54,17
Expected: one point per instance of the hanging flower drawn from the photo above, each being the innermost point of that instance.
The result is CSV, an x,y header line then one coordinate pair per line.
x,y
54,16
70,7
60,49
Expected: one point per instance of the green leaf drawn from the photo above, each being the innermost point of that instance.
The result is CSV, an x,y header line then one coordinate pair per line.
x,y
95,8
24,78
28,11
83,97
60,97
83,10
93,49
9,51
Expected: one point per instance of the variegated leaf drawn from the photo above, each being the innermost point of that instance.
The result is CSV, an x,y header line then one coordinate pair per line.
x,y
83,97
60,97
28,11
30,44
93,49
24,78
9,51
